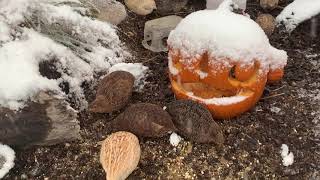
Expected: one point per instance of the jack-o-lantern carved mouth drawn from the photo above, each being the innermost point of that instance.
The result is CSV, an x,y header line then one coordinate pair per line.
x,y
227,90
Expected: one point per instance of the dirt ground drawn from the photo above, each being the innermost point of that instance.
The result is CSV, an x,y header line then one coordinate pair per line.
x,y
288,113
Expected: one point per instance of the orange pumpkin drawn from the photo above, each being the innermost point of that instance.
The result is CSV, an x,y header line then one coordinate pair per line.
x,y
222,60
227,90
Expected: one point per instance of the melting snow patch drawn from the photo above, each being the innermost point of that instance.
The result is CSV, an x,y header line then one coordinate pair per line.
x,y
287,158
7,156
138,70
175,139
297,12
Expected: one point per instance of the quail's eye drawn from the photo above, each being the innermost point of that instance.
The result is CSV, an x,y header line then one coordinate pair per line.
x,y
232,72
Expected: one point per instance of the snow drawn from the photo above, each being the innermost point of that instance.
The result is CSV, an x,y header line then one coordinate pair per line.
x,y
214,4
9,155
287,158
297,12
138,70
219,101
224,35
202,74
4,32
175,139
22,49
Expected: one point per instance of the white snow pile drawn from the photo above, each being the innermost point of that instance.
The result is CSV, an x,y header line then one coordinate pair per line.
x,y
8,155
175,139
39,31
224,35
287,158
297,12
138,70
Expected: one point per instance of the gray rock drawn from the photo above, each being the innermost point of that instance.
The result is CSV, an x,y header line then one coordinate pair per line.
x,y
156,30
111,11
170,6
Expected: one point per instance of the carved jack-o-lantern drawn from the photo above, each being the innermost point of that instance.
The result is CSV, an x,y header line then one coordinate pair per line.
x,y
200,70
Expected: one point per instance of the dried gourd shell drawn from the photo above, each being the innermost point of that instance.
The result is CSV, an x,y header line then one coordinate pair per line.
x,y
194,121
144,119
120,155
114,92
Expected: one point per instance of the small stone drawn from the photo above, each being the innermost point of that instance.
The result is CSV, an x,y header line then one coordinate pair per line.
x,y
269,4
267,22
114,92
111,11
145,120
195,122
141,7
170,6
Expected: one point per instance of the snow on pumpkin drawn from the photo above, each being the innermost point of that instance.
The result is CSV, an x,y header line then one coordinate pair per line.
x,y
223,60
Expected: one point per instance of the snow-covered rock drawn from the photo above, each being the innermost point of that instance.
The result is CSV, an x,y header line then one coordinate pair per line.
x,y
297,12
7,156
